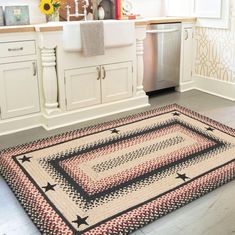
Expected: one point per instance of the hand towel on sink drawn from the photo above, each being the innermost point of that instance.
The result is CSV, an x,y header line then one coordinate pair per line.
x,y
92,36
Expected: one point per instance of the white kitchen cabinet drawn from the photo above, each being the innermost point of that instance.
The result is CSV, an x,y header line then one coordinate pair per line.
x,y
82,87
187,53
116,82
99,84
18,89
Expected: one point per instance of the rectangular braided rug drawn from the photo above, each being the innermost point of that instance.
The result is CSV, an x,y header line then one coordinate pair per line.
x,y
116,177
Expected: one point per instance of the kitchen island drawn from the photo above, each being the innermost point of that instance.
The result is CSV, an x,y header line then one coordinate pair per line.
x,y
42,84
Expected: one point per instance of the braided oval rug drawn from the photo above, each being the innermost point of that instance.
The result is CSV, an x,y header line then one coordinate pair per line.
x,y
116,177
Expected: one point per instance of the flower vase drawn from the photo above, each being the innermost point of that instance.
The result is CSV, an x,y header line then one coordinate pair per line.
x,y
54,17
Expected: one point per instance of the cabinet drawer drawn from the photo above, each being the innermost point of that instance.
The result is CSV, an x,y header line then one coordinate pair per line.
x,y
9,49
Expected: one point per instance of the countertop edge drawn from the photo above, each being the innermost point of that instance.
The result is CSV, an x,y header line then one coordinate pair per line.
x,y
17,29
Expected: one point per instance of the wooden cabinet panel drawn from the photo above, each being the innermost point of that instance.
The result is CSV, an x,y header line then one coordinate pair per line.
x,y
82,87
95,85
18,89
116,81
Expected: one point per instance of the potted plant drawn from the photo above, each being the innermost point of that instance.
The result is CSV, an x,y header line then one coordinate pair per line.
x,y
51,9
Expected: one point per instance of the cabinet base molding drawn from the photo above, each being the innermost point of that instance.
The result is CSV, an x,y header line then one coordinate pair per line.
x,y
94,112
14,125
23,123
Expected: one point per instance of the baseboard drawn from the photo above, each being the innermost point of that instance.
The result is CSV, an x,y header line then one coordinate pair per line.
x,y
215,87
211,86
14,125
23,123
94,112
186,86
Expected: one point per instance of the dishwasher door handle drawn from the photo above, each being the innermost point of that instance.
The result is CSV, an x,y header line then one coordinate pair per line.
x,y
162,30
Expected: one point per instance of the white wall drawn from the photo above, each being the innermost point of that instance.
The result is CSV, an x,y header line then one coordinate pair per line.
x,y
179,7
148,8
35,15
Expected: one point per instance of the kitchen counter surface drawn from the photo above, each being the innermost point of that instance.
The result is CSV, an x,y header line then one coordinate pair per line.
x,y
58,26
17,29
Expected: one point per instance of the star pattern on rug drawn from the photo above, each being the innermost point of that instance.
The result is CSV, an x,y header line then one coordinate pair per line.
x,y
176,114
49,187
115,131
25,159
79,221
149,149
210,129
182,176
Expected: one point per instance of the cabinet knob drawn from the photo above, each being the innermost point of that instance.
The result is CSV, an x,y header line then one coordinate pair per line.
x,y
16,49
104,72
185,35
34,69
99,73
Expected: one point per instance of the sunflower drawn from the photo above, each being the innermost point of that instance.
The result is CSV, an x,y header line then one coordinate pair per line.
x,y
46,7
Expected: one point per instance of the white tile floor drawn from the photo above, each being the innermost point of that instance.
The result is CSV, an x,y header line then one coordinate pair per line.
x,y
213,214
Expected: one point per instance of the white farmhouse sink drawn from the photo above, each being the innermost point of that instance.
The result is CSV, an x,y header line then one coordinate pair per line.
x,y
116,34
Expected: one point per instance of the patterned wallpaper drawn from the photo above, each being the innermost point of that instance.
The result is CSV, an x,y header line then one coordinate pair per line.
x,y
215,51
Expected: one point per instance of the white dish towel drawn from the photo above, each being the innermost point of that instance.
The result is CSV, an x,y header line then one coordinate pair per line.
x,y
92,36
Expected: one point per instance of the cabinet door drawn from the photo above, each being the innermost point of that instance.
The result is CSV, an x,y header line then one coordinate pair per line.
x,y
116,81
18,89
82,87
187,55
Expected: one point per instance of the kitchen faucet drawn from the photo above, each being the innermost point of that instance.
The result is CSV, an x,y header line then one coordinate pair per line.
x,y
77,14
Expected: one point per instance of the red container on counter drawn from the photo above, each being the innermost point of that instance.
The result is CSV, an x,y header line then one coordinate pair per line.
x,y
118,9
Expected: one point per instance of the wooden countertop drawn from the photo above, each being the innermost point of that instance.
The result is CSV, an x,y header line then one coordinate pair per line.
x,y
58,26
17,29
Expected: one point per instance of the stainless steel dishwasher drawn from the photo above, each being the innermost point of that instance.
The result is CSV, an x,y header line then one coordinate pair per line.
x,y
162,48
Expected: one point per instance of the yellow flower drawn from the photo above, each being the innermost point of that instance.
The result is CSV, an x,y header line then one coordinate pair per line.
x,y
46,7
